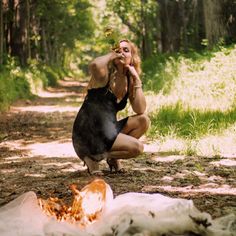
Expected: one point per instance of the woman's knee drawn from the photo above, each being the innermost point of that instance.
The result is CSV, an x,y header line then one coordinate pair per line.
x,y
136,148
144,122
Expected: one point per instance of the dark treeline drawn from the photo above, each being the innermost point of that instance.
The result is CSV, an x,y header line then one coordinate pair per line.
x,y
177,25
44,30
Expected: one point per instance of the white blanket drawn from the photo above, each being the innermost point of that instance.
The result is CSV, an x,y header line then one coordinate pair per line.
x,y
127,214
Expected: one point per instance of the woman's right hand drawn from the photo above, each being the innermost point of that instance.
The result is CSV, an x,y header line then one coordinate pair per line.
x,y
117,58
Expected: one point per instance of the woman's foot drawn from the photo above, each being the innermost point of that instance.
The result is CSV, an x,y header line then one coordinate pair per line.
x,y
115,164
93,166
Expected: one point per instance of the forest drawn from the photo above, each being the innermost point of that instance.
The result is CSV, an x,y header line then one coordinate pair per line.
x,y
44,30
49,35
188,54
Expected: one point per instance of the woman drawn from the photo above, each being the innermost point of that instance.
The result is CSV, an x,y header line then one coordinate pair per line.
x,y
97,134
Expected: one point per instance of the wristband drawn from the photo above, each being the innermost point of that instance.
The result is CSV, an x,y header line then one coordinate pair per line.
x,y
138,86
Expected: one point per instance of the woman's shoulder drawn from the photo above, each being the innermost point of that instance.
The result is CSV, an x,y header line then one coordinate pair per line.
x,y
97,83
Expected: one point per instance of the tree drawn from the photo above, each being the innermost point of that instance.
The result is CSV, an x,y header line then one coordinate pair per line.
x,y
177,25
139,16
1,32
69,21
229,20
44,30
171,23
214,25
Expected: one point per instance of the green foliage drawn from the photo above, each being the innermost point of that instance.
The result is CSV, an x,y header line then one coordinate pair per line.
x,y
189,124
12,87
69,20
159,71
18,83
64,22
195,97
128,11
138,16
51,76
202,81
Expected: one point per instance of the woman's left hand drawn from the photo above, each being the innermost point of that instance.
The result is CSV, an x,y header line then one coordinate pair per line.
x,y
134,75
133,72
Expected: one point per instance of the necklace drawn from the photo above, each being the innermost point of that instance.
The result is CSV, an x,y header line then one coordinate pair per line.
x,y
118,85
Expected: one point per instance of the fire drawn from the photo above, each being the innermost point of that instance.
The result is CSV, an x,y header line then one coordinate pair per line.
x,y
86,207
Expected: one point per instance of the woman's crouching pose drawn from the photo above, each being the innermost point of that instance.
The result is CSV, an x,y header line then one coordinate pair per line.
x,y
97,134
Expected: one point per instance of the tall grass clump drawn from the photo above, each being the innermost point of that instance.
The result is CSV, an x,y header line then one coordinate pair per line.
x,y
11,89
189,123
25,83
200,100
159,73
13,85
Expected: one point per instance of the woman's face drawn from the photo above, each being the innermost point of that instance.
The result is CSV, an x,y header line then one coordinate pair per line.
x,y
125,50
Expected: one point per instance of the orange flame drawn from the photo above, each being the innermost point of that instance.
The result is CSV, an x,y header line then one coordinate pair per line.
x,y
86,207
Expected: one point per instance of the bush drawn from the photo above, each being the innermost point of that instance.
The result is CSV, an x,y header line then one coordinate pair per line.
x,y
22,83
12,87
51,76
159,72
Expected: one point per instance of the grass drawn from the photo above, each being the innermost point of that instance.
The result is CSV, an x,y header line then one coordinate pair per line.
x,y
25,83
192,102
189,123
12,88
191,98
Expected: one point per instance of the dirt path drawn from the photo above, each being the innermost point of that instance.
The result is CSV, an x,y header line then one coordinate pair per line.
x,y
36,154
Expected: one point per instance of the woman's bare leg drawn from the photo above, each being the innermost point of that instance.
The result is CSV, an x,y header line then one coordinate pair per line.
x,y
136,125
93,166
127,144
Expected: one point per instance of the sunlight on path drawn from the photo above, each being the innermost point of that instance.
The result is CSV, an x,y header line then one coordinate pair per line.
x,y
60,93
222,145
54,152
225,162
169,158
47,150
51,149
45,109
152,147
47,94
67,82
71,98
221,190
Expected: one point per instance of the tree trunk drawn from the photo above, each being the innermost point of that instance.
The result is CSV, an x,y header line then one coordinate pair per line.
x,y
19,40
146,39
45,50
11,15
229,19
183,25
1,32
35,32
27,30
197,22
24,32
170,25
158,31
214,26
15,30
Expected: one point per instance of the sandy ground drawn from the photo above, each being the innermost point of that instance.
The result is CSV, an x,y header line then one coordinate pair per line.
x,y
36,154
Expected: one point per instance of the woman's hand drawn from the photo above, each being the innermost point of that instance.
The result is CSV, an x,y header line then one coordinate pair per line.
x,y
119,61
117,57
134,75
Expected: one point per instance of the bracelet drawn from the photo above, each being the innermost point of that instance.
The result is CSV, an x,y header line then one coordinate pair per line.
x,y
138,86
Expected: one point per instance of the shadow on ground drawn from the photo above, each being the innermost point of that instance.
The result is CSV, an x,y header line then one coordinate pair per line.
x,y
36,154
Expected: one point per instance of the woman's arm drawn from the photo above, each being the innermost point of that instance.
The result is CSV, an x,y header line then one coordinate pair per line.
x,y
137,98
99,68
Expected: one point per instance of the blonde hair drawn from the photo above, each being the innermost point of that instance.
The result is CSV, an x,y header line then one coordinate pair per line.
x,y
136,60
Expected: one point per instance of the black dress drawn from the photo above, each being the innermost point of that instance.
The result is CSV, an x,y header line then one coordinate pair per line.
x,y
96,126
